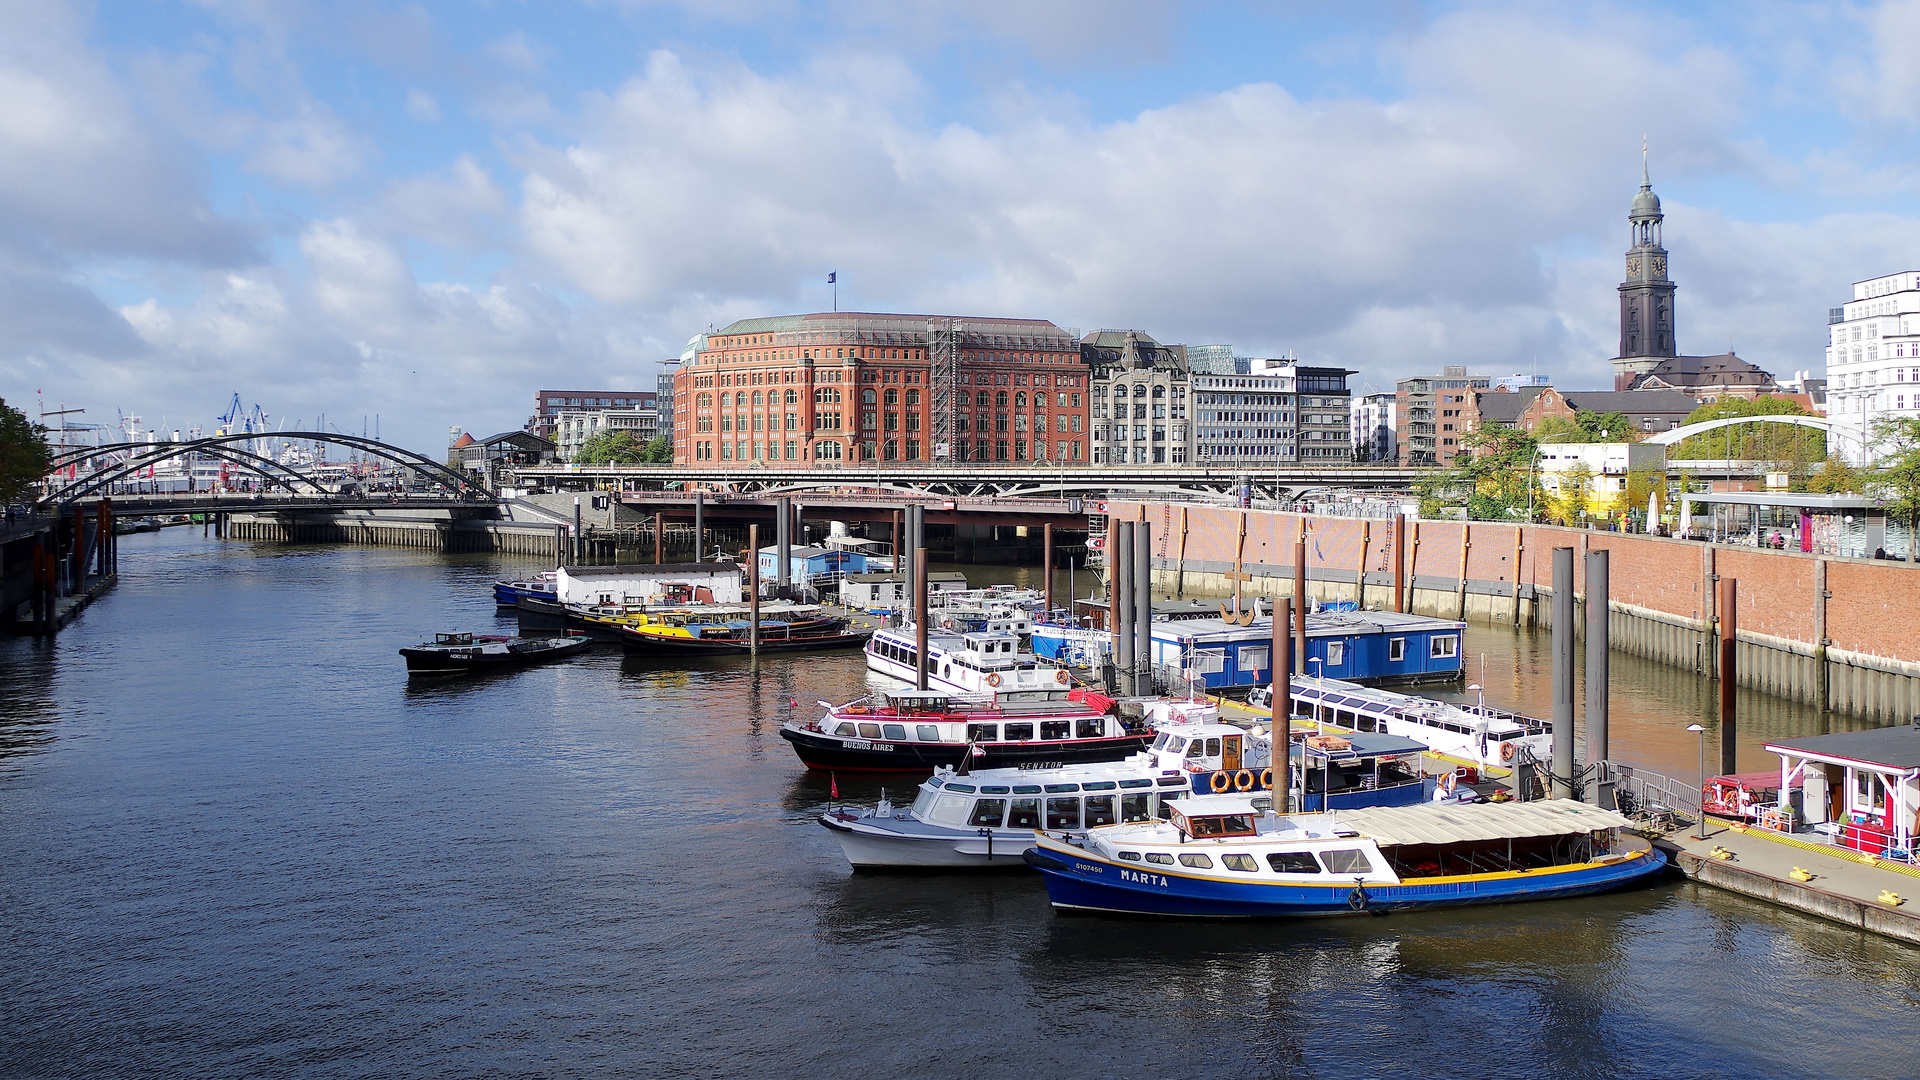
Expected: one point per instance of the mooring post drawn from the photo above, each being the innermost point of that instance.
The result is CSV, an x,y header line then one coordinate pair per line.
x,y
1120,601
920,617
753,589
1599,646
1300,604
1729,670
1143,608
699,526
1046,567
1282,703
79,546
577,531
1822,694
1400,562
1562,774
659,538
783,545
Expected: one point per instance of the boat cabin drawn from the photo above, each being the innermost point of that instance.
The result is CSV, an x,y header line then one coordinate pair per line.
x,y
1359,769
649,585
1067,799
453,639
1861,788
1212,818
893,592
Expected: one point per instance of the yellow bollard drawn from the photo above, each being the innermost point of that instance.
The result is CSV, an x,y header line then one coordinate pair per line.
x,y
1801,874
1891,898
1719,852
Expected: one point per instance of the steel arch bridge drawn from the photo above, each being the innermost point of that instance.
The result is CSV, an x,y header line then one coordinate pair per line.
x,y
145,455
1835,431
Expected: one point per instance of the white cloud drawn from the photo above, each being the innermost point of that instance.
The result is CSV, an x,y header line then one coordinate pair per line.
x,y
421,106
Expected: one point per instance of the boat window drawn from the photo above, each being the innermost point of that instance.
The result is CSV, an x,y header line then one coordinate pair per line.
x,y
1396,649
1262,803
1165,810
983,732
1136,783
1173,781
1055,789
988,813
1063,813
1198,862
1089,727
1443,648
1130,856
1198,748
991,789
869,731
951,786
1056,729
923,802
1020,732
1160,857
1242,863
1346,719
1026,789
950,809
927,732
1160,741
1136,807
1293,862
1098,785
1502,736
895,731
1221,825
844,729
1213,747
1024,814
1099,811
1346,861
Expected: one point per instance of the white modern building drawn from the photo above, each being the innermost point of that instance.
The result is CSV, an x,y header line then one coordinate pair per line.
x,y
1372,418
1873,355
1246,419
1607,465
573,429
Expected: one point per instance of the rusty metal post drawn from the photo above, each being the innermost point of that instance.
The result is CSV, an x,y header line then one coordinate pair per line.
x,y
699,526
920,618
1562,773
1599,647
1400,563
1300,605
1729,670
659,538
1143,609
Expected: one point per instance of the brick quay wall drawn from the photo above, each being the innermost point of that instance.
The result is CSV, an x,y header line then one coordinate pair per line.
x,y
1839,633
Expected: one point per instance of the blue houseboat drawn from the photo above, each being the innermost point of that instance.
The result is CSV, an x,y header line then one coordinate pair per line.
x,y
1373,648
811,565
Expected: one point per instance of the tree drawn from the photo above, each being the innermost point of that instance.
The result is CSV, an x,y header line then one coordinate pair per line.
x,y
1752,442
1492,477
25,458
1586,427
610,448
1575,493
1897,482
1836,477
659,451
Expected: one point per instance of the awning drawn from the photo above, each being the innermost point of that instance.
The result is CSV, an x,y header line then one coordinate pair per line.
x,y
1467,822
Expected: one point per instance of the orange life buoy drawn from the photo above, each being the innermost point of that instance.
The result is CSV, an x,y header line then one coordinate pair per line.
x,y
1220,782
993,679
1243,780
1506,751
854,709
1266,779
1060,676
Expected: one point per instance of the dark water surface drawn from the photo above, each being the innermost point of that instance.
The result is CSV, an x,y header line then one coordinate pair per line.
x,y
235,842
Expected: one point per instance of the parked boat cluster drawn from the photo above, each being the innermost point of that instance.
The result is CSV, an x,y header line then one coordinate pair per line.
x,y
1144,804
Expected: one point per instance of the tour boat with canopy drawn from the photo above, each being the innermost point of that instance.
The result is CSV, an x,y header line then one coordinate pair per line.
x,y
1225,856
1484,737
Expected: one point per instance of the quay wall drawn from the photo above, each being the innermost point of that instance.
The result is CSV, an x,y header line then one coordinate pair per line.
x,y
1839,633
437,534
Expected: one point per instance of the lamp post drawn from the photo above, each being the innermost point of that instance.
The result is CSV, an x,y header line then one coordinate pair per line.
x,y
1700,819
1319,721
1476,688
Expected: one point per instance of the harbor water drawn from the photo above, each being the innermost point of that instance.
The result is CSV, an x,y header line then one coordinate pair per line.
x,y
234,841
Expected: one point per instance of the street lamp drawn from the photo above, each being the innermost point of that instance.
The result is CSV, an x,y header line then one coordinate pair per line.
x,y
1700,819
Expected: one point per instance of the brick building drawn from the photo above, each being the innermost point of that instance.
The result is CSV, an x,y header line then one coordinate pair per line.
x,y
848,387
1433,412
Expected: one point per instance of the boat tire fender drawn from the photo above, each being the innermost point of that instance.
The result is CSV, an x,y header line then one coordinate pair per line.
x,y
1243,780
1220,783
1357,899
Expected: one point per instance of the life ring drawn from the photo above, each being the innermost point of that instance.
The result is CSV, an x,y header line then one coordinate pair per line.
x,y
1060,676
1243,780
1506,751
993,679
1357,899
1220,782
1266,779
856,709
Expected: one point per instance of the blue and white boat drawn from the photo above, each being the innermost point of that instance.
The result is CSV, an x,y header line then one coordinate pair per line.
x,y
509,593
1224,856
1484,737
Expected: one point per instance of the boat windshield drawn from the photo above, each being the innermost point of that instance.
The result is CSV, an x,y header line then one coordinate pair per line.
x,y
923,802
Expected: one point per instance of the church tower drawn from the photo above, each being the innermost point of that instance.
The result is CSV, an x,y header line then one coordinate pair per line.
x,y
1646,296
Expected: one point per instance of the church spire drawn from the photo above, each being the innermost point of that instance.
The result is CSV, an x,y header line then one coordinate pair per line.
x,y
1646,181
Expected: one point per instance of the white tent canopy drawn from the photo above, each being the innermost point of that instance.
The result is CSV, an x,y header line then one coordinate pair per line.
x,y
1469,822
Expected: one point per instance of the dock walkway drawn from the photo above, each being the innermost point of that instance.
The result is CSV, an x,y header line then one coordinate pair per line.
x,y
1843,888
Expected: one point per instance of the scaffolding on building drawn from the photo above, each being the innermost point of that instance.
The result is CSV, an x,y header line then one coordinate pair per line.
x,y
943,377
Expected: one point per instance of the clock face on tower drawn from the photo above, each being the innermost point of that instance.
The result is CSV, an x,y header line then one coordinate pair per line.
x,y
1660,264
1633,267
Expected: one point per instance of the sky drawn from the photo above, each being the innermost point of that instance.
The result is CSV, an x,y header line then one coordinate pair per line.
x,y
423,213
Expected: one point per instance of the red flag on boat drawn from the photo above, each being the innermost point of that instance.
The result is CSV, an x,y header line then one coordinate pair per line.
x,y
793,703
833,786
979,751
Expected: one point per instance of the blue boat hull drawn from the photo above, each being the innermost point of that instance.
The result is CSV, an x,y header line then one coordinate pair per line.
x,y
1092,884
506,595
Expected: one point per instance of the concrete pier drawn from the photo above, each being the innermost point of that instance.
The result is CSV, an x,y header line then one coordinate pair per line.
x,y
1844,887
